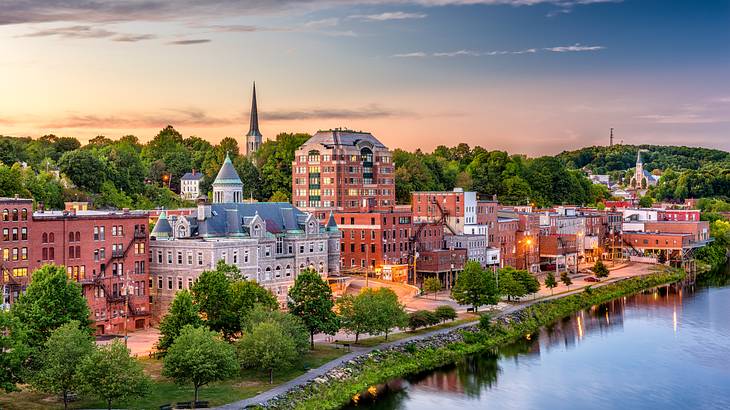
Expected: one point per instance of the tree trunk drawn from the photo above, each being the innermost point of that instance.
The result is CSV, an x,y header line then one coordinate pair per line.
x,y
357,336
386,335
65,400
271,376
196,395
311,340
109,404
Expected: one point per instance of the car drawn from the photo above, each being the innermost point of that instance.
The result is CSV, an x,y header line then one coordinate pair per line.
x,y
591,279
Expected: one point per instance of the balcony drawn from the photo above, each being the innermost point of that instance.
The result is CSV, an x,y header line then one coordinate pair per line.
x,y
140,234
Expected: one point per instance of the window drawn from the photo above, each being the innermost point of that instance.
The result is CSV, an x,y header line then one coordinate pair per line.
x,y
24,254
15,234
190,258
159,282
169,257
6,234
96,233
169,283
190,283
159,256
179,283
200,258
15,214
267,251
179,257
5,215
101,233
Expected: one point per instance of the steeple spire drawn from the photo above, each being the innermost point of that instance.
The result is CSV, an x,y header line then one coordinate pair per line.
x,y
254,128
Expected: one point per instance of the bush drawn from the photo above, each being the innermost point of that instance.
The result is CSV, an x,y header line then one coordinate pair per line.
x,y
422,318
445,312
485,322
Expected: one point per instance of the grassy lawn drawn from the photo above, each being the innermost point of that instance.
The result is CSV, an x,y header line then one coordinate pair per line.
x,y
163,391
374,341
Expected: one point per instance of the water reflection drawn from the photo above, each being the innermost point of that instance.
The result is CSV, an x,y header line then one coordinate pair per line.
x,y
620,337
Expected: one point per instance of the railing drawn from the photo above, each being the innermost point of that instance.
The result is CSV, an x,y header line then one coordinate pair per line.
x,y
140,234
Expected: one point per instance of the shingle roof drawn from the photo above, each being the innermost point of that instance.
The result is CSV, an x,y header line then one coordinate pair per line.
x,y
343,137
229,219
162,228
190,176
227,174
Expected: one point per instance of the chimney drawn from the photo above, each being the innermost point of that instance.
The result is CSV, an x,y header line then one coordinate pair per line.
x,y
125,211
41,206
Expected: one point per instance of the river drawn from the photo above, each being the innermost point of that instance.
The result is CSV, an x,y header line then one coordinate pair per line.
x,y
668,348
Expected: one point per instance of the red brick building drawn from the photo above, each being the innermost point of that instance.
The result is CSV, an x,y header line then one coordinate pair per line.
x,y
15,248
342,170
504,238
558,252
107,252
527,238
371,239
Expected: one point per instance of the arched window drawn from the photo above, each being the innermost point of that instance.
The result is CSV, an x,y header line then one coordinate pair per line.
x,y
51,237
24,214
277,274
268,273
6,215
288,270
78,236
15,214
70,236
45,237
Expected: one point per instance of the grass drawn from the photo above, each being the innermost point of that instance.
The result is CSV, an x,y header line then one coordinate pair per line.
x,y
374,341
164,391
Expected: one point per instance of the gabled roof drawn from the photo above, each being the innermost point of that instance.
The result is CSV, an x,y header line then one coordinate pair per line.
x,y
227,174
192,176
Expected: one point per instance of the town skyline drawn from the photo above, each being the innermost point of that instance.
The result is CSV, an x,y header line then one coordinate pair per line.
x,y
534,77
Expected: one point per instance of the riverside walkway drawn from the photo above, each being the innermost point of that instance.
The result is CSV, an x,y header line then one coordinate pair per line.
x,y
320,371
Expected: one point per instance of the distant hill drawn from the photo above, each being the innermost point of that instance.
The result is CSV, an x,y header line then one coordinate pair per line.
x,y
604,159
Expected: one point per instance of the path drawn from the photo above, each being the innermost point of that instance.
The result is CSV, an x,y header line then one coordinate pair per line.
x,y
320,371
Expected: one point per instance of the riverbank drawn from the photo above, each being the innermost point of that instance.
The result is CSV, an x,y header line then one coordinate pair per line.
x,y
344,382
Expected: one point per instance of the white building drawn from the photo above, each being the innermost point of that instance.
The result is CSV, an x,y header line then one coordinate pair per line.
x,y
190,185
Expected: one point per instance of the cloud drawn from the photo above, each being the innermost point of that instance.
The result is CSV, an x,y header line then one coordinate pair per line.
x,y
328,22
108,11
683,118
367,112
395,15
575,47
189,42
79,31
132,38
465,53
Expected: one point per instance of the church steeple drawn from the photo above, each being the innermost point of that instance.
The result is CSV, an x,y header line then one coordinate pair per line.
x,y
254,137
254,127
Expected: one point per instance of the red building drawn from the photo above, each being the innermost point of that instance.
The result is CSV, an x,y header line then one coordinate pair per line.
x,y
527,238
15,248
372,239
107,252
505,239
342,170
679,215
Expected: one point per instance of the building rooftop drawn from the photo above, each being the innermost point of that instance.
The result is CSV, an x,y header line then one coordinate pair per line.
x,y
227,174
88,214
339,137
192,176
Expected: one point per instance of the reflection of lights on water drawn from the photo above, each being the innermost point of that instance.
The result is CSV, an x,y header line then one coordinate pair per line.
x,y
656,295
356,398
580,327
373,391
608,321
674,319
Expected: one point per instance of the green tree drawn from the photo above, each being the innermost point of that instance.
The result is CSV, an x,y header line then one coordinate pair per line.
x,y
528,281
646,201
292,325
245,294
311,299
211,293
64,350
111,374
354,313
550,282
445,312
50,301
432,284
600,269
566,279
509,285
13,351
475,287
388,312
268,347
86,170
182,313
199,357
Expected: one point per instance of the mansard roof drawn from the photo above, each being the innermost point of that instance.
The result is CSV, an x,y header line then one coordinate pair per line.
x,y
233,219
330,138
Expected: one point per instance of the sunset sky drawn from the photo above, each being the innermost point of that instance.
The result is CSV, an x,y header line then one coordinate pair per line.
x,y
528,76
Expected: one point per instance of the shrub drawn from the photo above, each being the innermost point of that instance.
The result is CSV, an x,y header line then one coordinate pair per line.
x,y
445,312
485,322
422,318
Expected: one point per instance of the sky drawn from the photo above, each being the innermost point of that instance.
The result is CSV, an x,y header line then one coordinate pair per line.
x,y
527,76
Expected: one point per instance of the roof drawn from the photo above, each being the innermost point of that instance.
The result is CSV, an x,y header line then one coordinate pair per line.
x,y
227,174
89,214
253,130
335,137
162,228
230,219
192,176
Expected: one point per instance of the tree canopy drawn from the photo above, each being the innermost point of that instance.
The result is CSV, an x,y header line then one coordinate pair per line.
x,y
311,299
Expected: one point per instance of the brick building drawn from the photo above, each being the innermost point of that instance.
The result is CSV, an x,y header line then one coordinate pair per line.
x,y
341,170
372,239
504,238
527,238
106,252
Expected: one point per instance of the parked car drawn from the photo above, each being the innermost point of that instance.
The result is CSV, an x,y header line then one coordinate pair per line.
x,y
591,279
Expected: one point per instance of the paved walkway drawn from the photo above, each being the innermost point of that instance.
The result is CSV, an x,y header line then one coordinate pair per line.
x,y
320,371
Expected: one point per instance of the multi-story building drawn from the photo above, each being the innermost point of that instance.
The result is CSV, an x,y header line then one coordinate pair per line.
x,y
528,241
105,251
558,252
342,171
456,208
190,185
270,243
505,238
373,239
15,248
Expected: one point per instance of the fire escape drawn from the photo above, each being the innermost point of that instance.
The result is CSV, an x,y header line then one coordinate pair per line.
x,y
104,282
